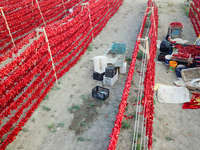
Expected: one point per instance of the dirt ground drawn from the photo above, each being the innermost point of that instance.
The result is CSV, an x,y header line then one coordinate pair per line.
x,y
170,119
76,121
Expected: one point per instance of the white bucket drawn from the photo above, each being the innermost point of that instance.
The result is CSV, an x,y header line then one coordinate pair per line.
x,y
100,64
122,69
167,59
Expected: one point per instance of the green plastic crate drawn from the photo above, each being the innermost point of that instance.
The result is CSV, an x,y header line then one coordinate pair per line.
x,y
118,48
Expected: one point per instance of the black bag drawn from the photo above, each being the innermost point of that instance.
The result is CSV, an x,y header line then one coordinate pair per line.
x,y
161,56
165,50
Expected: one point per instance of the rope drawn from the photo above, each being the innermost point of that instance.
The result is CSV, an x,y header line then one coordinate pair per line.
x,y
137,117
144,119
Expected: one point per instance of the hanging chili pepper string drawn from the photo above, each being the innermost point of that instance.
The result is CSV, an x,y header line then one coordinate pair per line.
x,y
29,90
119,117
150,32
43,76
66,60
19,71
4,50
139,97
17,87
194,17
16,130
149,88
117,129
83,37
8,125
14,50
143,140
6,70
73,43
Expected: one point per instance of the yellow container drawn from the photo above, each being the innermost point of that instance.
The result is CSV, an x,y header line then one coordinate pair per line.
x,y
172,66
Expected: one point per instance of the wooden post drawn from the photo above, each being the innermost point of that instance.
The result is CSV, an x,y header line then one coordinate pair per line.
x,y
37,34
83,4
40,12
152,11
147,47
46,38
7,25
137,89
146,51
64,7
157,4
37,37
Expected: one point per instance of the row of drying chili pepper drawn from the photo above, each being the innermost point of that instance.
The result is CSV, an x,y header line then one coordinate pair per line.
x,y
149,80
195,16
119,117
70,50
11,82
28,18
94,9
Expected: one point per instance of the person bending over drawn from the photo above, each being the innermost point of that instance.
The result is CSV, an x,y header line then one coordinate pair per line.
x,y
166,46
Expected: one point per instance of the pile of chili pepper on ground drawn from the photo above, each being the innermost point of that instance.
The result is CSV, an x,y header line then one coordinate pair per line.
x,y
194,103
192,50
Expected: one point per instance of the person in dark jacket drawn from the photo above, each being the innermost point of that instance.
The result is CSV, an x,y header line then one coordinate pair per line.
x,y
166,46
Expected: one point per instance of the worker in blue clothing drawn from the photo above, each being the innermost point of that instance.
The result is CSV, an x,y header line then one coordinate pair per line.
x,y
166,46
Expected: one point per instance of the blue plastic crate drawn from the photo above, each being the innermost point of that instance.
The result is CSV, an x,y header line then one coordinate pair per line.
x,y
118,48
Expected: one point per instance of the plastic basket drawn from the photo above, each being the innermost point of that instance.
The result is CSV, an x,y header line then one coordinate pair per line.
x,y
98,76
190,74
100,92
110,71
118,48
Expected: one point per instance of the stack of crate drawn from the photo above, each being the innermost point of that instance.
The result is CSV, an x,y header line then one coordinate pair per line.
x,y
100,63
111,76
